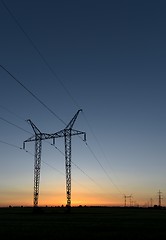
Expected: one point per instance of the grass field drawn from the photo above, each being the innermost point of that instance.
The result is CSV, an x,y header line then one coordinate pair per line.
x,y
83,223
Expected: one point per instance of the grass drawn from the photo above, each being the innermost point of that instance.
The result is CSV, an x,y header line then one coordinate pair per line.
x,y
83,223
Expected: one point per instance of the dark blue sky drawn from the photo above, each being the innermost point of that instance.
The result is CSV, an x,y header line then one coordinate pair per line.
x,y
109,59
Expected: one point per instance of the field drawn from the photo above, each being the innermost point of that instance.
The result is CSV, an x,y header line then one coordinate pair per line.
x,y
83,223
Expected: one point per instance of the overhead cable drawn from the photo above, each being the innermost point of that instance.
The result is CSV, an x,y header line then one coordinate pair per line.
x,y
32,94
51,70
3,119
106,173
39,52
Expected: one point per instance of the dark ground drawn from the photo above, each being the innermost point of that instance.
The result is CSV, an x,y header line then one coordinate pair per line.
x,y
83,223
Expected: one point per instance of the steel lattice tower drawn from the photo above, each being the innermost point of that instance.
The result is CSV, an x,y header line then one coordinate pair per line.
x,y
67,133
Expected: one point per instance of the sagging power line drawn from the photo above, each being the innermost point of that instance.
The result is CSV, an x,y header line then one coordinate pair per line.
x,y
45,61
49,165
53,72
61,152
55,115
13,124
32,94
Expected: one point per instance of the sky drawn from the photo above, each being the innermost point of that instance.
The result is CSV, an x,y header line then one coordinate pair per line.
x,y
104,57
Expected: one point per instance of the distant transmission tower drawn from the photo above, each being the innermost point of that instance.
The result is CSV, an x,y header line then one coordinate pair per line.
x,y
125,200
67,133
160,198
125,197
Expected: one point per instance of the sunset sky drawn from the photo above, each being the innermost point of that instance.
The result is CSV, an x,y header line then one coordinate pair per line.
x,y
105,57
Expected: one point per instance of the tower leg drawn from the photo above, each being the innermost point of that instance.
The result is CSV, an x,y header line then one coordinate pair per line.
x,y
37,165
68,167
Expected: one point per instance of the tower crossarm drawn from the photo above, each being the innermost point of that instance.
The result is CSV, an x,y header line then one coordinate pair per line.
x,y
31,139
77,132
63,132
44,136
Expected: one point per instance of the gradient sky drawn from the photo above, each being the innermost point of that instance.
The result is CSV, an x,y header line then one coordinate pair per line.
x,y
109,59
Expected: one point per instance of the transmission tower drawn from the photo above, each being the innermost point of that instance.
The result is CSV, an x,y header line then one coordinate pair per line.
x,y
67,133
160,198
125,199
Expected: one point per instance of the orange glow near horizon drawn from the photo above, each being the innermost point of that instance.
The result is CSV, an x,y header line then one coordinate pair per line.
x,y
24,197
59,201
52,199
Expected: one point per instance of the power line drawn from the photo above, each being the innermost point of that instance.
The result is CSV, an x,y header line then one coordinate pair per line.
x,y
78,167
46,63
63,154
57,170
53,72
50,144
15,146
108,176
93,134
39,52
32,94
10,144
47,164
49,67
11,112
3,119
95,157
59,119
